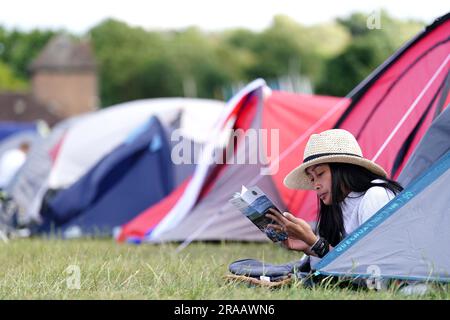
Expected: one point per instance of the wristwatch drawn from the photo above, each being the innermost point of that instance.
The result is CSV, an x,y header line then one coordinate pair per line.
x,y
321,247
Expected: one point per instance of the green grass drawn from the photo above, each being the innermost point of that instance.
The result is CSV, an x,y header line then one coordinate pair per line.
x,y
35,269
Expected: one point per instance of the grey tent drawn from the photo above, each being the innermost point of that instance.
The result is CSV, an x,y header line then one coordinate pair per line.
x,y
431,147
407,239
209,211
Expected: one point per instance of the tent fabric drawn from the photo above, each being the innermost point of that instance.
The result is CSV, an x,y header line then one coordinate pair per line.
x,y
439,102
227,223
206,169
434,144
406,239
409,81
183,170
297,116
134,176
15,140
173,209
100,132
219,220
136,229
8,128
395,105
30,185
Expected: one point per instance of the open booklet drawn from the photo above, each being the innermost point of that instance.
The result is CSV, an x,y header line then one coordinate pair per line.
x,y
254,204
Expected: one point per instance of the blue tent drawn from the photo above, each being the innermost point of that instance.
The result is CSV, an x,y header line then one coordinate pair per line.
x,y
406,239
8,128
132,177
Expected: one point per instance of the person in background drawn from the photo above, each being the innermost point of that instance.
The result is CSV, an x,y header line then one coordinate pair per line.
x,y
11,162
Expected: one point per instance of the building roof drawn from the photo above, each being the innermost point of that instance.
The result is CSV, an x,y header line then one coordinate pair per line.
x,y
22,107
63,53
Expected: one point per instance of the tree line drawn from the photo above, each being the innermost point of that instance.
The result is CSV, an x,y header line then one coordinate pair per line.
x,y
135,63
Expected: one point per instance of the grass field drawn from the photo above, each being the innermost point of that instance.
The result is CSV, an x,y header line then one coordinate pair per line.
x,y
42,269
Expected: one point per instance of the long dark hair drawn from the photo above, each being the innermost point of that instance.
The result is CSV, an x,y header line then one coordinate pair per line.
x,y
344,179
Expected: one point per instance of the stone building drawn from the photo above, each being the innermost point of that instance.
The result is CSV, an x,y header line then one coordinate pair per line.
x,y
64,77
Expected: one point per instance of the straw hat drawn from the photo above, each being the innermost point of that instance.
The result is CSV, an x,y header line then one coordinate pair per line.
x,y
335,145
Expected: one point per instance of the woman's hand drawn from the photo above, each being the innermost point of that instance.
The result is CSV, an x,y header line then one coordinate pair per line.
x,y
297,229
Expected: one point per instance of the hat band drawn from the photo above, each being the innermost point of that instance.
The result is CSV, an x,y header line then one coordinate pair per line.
x,y
320,155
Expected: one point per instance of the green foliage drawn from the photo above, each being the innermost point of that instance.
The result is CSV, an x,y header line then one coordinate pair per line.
x,y
18,48
200,58
8,81
346,70
367,50
135,63
278,50
124,55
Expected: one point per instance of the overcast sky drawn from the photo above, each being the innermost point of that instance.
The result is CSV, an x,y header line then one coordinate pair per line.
x,y
78,16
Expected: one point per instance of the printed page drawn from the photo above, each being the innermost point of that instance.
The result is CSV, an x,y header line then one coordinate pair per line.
x,y
254,204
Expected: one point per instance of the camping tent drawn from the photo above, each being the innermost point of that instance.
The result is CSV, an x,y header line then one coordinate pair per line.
x,y
200,207
434,144
77,144
406,239
129,179
89,140
391,110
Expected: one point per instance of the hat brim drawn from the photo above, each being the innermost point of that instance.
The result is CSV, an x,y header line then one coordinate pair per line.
x,y
298,179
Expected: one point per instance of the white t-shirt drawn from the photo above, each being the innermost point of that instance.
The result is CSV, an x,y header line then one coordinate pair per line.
x,y
358,207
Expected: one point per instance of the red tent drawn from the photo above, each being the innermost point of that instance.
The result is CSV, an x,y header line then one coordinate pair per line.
x,y
391,110
295,117
388,113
